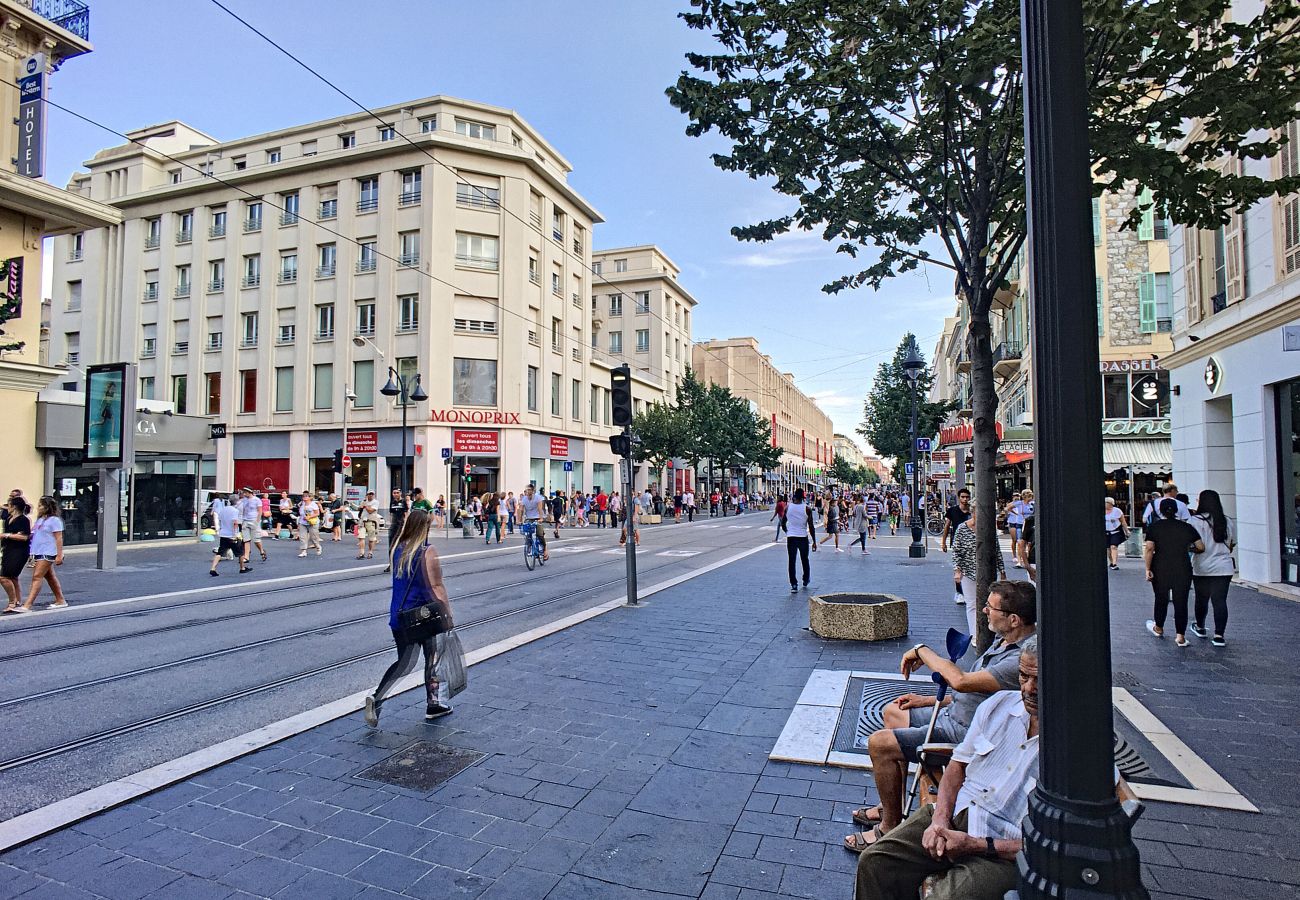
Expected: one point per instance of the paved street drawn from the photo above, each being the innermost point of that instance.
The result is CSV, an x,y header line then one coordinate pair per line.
x,y
627,757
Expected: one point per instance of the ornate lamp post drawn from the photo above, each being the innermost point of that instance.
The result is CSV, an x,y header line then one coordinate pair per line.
x,y
407,389
1078,840
913,366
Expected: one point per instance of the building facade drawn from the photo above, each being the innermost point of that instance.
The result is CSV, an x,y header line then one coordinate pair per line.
x,y
1236,371
804,433
1134,295
847,449
31,210
274,283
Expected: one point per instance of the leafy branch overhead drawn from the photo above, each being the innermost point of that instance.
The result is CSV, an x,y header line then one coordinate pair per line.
x,y
887,413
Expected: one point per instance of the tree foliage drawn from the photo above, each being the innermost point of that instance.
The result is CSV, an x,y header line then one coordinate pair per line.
x,y
849,475
894,125
887,412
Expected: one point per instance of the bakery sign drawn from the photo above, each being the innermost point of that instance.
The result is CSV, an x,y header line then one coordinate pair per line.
x,y
473,417
466,441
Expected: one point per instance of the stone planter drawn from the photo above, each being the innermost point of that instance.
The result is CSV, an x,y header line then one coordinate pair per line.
x,y
858,617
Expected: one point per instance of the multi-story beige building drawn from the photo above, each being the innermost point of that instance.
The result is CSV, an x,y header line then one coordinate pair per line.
x,y
30,210
274,282
848,450
1236,370
804,433
1135,317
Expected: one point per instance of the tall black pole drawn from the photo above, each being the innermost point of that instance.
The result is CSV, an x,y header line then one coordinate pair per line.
x,y
916,549
1078,841
401,382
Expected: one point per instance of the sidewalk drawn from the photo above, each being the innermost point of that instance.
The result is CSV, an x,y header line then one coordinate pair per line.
x,y
627,758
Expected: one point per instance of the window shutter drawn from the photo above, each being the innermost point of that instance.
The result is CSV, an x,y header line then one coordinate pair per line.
x,y
1147,227
1096,221
1147,303
1101,314
1192,274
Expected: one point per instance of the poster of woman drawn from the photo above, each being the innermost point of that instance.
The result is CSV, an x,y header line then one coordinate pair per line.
x,y
104,395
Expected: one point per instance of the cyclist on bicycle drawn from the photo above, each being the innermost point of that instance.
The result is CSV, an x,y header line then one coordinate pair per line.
x,y
533,509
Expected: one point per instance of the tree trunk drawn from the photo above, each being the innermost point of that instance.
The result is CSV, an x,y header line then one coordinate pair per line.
x,y
984,406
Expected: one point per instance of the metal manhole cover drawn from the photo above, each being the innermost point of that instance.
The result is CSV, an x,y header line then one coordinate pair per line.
x,y
422,766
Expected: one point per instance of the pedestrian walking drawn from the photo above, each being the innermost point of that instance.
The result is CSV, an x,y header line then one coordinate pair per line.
x,y
778,515
250,526
952,520
1015,521
1213,567
558,506
801,535
368,519
1020,548
309,516
47,550
1169,568
860,523
15,548
228,537
492,512
417,582
1116,531
831,511
965,568
419,501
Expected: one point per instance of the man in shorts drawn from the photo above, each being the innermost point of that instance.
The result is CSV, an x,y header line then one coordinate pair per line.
x,y
250,526
227,522
533,510
1012,612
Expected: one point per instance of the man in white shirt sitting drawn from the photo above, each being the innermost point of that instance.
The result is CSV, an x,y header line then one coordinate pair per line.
x,y
971,835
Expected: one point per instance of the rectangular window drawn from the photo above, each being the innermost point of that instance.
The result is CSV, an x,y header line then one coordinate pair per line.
x,y
322,386
182,281
477,130
286,333
593,405
180,393
325,322
248,329
366,319
412,186
620,265
1115,398
557,401
217,275
596,267
253,215
532,389
616,304
368,194
474,382
308,148
387,133
152,233
367,256
608,404
616,342
288,268
73,301
273,156
555,284
185,227
428,124
407,368
248,391
643,302
347,140
212,384
1147,303
1096,221
147,387
478,196
575,401
176,176
643,340
363,383
151,284
215,335
1164,303
479,251
327,257
148,340
289,208
557,225
284,389
408,312
240,163
408,248
557,334
329,209
252,270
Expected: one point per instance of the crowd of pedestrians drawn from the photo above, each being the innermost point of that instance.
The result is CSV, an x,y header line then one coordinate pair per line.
x,y
36,542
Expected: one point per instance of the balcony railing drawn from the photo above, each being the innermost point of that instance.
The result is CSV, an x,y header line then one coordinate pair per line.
x,y
365,331
216,231
250,281
214,342
576,353
577,301
477,262
180,348
251,225
182,290
149,350
409,198
151,293
1007,351
329,209
325,271
74,256
152,241
534,278
325,334
534,339
289,218
70,15
536,219
248,341
185,236
216,285
367,204
1219,302
365,265
408,260
288,277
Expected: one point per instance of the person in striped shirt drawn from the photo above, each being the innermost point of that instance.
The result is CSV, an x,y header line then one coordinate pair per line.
x,y
971,835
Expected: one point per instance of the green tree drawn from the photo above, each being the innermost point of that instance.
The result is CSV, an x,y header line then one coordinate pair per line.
x,y
845,472
887,413
661,430
897,128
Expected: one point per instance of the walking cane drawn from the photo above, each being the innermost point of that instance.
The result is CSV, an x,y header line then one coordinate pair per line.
x,y
958,642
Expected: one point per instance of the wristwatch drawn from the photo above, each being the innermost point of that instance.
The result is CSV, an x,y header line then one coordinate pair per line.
x,y
917,649
992,851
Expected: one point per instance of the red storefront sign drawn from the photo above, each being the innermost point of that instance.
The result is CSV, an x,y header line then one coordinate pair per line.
x,y
362,443
962,434
474,442
473,417
773,429
560,447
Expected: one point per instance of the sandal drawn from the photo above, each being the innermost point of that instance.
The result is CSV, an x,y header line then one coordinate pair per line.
x,y
856,843
361,556
863,815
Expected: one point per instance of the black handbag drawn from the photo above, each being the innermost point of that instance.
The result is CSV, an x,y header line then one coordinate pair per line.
x,y
420,623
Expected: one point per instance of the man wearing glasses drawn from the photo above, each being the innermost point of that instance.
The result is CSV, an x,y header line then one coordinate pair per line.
x,y
1012,612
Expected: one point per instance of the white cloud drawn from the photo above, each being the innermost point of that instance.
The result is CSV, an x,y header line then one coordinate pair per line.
x,y
787,249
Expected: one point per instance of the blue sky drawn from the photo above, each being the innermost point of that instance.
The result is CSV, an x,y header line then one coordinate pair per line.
x,y
590,76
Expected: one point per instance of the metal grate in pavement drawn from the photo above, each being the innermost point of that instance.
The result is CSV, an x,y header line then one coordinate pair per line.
x,y
422,766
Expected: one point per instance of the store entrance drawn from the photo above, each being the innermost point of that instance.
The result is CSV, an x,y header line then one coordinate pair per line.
x,y
1288,470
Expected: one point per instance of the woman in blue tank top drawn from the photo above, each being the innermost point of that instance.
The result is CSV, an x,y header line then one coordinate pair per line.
x,y
417,580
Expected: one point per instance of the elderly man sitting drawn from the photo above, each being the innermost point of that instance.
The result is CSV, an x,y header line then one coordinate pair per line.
x,y
1012,614
971,836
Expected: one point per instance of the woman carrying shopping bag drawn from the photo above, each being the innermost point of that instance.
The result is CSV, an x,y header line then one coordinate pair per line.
x,y
420,619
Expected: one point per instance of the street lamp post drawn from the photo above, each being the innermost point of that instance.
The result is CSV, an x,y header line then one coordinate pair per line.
x,y
407,389
1077,838
913,366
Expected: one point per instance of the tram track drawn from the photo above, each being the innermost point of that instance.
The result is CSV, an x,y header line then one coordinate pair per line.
x,y
107,734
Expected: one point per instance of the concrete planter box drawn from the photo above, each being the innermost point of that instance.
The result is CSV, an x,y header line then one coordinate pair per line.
x,y
858,617
652,519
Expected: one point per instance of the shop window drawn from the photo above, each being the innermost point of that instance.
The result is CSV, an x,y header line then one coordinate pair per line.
x,y
474,382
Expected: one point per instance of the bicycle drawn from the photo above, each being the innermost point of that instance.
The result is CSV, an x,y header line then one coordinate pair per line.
x,y
934,525
532,545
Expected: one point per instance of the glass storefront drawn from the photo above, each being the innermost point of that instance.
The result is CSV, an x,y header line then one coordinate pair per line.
x,y
602,476
1288,454
157,497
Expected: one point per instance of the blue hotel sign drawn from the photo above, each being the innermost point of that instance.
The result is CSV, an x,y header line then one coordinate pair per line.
x,y
31,117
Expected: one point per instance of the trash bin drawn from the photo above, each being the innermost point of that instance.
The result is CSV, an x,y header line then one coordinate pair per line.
x,y
1133,546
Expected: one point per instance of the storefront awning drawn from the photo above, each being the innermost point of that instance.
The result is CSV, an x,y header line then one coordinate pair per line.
x,y
1144,456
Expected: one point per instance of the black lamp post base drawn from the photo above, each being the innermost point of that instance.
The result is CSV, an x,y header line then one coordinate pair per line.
x,y
1077,851
916,549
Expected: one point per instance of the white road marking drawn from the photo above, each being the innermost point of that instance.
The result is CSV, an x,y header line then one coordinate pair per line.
x,y
679,552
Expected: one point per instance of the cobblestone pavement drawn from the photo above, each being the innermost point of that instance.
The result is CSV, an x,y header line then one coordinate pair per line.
x,y
627,757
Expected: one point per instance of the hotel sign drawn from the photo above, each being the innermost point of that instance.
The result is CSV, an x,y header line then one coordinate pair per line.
x,y
31,117
473,417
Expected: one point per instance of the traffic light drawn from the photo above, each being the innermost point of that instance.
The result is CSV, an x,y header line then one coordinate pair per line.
x,y
338,462
620,388
620,444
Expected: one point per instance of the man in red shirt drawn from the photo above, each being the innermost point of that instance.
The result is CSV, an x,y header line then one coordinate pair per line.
x,y
602,504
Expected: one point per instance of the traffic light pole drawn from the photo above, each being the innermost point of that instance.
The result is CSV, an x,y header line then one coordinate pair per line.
x,y
629,507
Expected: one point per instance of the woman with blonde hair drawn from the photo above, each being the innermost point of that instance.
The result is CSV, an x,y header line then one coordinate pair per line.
x,y
417,582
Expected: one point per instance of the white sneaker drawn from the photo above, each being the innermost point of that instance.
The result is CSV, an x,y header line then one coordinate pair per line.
x,y
302,555
1017,565
959,599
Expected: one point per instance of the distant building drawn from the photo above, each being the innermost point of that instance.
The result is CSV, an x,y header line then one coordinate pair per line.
x,y
804,433
846,449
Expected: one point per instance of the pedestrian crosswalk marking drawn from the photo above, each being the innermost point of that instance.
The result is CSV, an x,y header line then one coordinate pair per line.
x,y
678,552
571,549
740,526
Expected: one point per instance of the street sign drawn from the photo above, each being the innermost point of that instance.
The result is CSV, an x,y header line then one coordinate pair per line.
x,y
347,462
907,469
467,470
446,453
941,464
31,117
568,465
922,445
